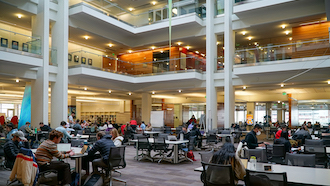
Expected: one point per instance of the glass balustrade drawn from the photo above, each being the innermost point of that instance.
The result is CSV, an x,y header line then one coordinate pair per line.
x,y
114,65
147,14
294,50
19,43
53,56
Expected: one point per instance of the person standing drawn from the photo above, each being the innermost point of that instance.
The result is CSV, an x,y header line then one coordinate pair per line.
x,y
71,121
45,153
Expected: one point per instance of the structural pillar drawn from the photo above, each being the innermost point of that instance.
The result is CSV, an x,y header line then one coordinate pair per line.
x,y
59,88
146,107
279,113
211,46
268,112
229,41
39,87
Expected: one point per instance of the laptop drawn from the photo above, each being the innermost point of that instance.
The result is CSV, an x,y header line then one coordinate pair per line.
x,y
64,147
172,138
84,149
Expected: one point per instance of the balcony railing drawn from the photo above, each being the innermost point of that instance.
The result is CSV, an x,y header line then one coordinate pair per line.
x,y
141,17
19,43
114,65
53,56
294,50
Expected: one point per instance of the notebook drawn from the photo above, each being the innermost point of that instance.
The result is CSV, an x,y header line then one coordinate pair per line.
x,y
172,138
64,147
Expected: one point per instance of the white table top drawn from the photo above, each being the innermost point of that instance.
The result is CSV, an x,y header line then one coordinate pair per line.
x,y
151,132
223,135
75,150
295,174
81,137
151,140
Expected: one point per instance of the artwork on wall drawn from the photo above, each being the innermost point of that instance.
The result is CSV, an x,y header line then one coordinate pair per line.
x,y
25,47
14,45
76,58
4,42
69,57
83,60
90,61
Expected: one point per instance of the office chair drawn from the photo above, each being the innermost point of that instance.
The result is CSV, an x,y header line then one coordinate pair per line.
x,y
304,160
278,155
160,146
116,161
312,142
144,146
217,175
206,156
260,154
255,178
320,152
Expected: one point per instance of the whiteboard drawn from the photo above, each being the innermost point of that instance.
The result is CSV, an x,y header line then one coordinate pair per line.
x,y
157,118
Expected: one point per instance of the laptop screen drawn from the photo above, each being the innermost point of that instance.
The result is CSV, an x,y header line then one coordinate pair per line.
x,y
84,149
64,147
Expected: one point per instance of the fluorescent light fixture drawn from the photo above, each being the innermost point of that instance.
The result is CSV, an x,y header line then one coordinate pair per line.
x,y
309,23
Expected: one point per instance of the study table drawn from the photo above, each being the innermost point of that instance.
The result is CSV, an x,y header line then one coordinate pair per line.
x,y
80,137
151,132
175,144
226,135
295,174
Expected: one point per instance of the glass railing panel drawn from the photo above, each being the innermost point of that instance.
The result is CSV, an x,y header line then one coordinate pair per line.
x,y
239,2
297,49
19,43
85,58
53,56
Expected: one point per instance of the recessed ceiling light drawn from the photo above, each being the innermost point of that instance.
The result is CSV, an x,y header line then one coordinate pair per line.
x,y
86,37
283,26
153,92
179,43
109,91
290,38
85,88
130,51
243,33
153,47
161,51
196,52
278,101
17,80
244,88
130,9
282,85
249,38
129,93
154,2
188,47
329,82
180,90
110,45
218,42
257,103
19,16
287,32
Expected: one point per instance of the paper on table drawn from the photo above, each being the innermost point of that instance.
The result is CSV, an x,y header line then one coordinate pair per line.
x,y
63,147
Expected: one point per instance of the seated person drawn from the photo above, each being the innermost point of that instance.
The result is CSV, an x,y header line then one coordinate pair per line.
x,y
284,140
45,153
309,125
149,127
128,132
317,126
143,126
234,126
77,126
66,136
195,132
190,126
226,155
184,132
10,130
328,129
278,133
26,129
44,127
11,148
251,138
302,134
117,140
103,145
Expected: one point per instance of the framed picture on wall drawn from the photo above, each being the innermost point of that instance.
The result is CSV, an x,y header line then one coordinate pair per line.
x,y
69,57
90,61
25,47
83,60
14,45
4,42
76,58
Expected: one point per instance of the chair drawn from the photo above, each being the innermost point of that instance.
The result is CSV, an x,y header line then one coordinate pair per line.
x,y
116,161
320,152
326,142
211,140
206,156
260,154
145,147
167,130
163,136
304,160
77,143
255,178
278,155
177,130
92,138
88,130
217,175
160,146
312,142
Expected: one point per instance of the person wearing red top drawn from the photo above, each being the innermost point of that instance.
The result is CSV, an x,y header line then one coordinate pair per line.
x,y
192,119
122,128
133,122
278,133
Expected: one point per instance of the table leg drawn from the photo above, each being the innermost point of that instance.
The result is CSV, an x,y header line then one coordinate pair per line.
x,y
137,151
176,153
78,168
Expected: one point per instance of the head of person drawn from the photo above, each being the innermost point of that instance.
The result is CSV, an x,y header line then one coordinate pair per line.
x,y
114,133
100,135
257,129
73,114
184,128
284,128
18,136
41,124
63,124
284,134
309,123
77,121
305,127
9,127
224,155
142,122
55,136
193,116
149,125
27,123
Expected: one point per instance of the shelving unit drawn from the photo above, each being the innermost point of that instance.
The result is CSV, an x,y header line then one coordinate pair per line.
x,y
99,116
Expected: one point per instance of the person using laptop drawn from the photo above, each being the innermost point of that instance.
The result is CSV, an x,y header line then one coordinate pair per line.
x,y
102,145
45,153
251,138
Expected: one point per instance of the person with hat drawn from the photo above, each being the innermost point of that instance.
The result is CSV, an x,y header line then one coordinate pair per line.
x,y
10,130
11,148
251,138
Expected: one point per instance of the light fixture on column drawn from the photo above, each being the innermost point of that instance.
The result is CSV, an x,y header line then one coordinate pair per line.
x,y
17,80
282,85
85,88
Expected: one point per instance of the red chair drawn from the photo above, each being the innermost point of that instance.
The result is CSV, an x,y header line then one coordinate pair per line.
x,y
14,120
2,120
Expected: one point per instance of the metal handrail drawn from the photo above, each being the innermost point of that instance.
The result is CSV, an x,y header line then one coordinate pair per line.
x,y
20,34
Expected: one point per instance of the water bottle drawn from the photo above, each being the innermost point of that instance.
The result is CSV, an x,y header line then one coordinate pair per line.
x,y
181,137
253,162
35,130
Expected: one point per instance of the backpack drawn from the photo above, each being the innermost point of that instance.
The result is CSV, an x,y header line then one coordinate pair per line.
x,y
95,179
191,156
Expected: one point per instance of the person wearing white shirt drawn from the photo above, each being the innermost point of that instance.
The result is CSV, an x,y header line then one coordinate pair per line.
x,y
117,140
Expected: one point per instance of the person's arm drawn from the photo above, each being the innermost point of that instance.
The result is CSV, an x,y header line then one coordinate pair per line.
x,y
95,148
67,134
250,141
53,150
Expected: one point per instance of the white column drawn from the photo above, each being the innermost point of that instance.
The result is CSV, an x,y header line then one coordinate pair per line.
x,y
60,32
146,107
229,40
39,87
211,46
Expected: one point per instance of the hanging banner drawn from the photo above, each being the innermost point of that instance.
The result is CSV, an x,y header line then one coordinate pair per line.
x,y
249,119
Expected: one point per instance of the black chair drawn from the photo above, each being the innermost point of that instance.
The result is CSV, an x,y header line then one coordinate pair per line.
x,y
206,156
320,152
77,142
87,130
144,146
177,130
312,142
211,140
326,142
167,130
260,154
192,142
217,175
116,161
160,146
163,136
92,138
255,178
279,153
303,160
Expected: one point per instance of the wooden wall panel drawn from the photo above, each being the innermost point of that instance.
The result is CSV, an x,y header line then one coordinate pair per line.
x,y
108,63
309,32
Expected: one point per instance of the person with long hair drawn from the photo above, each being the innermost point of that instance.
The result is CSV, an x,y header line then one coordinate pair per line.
x,y
226,155
117,140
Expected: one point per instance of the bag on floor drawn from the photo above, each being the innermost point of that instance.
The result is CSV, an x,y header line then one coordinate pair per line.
x,y
95,179
191,156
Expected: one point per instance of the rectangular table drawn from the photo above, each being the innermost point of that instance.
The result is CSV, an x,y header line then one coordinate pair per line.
x,y
81,137
151,133
227,135
175,144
